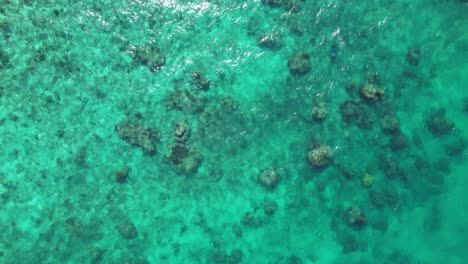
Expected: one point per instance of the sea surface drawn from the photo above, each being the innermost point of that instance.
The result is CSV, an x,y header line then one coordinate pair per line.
x,y
225,132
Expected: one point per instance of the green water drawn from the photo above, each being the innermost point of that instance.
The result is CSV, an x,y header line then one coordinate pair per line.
x,y
141,131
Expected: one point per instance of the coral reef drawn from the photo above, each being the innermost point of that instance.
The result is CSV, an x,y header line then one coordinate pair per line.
x,y
121,175
270,207
438,124
199,81
390,123
137,135
319,156
127,230
370,92
269,178
220,257
185,159
355,217
181,131
149,55
350,111
251,220
383,198
319,111
456,146
81,157
367,180
296,25
237,230
398,141
228,105
274,3
185,101
414,56
465,104
299,64
351,89
391,167
271,131
292,6
271,41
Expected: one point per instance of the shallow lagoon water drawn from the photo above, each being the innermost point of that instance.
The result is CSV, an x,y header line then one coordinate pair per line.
x,y
184,131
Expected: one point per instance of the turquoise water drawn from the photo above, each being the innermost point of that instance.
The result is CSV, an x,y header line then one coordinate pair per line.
x,y
274,131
